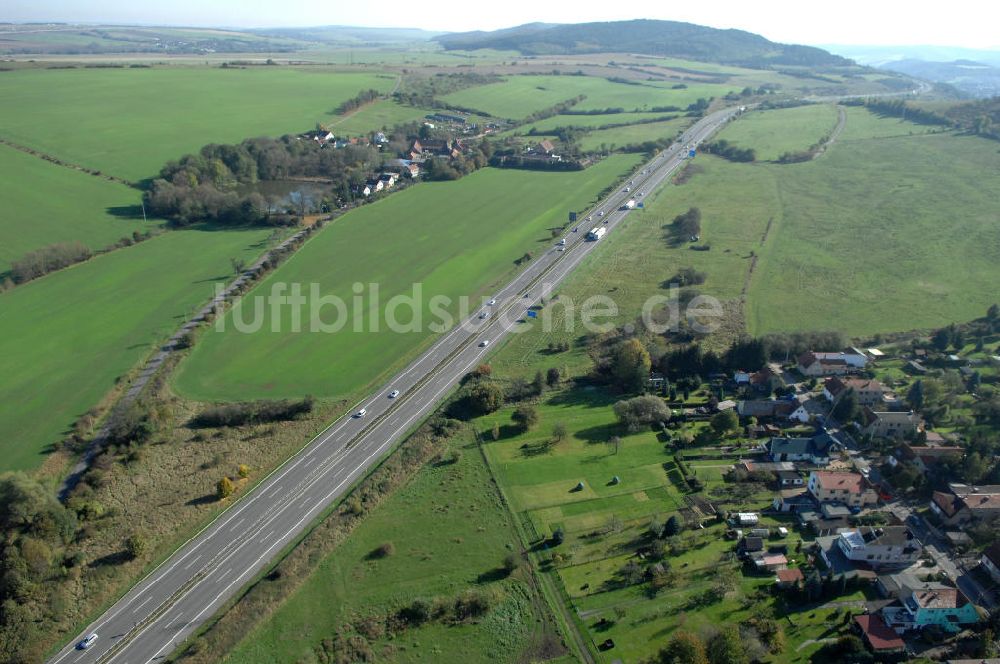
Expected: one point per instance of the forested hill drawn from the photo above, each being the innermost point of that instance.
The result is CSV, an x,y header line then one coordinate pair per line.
x,y
666,38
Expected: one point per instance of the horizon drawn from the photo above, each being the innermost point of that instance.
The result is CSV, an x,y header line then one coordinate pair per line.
x,y
856,24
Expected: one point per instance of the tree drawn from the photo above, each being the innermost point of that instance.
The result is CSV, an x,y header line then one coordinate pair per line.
x,y
243,470
486,396
136,546
615,443
496,431
993,313
725,422
915,395
558,432
943,337
238,265
224,488
847,407
511,562
525,416
641,410
552,377
673,527
684,647
630,365
727,647
538,384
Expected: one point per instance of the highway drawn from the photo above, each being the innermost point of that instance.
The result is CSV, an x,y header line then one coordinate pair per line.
x,y
164,608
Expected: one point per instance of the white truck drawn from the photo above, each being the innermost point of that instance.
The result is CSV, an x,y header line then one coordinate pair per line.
x,y
629,204
596,233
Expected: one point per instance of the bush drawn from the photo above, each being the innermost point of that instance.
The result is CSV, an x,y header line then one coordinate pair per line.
x,y
525,416
224,488
641,410
136,546
253,412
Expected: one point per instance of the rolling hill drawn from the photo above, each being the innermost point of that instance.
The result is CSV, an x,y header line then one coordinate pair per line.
x,y
666,38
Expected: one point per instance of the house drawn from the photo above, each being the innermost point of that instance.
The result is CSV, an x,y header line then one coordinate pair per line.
x,y
321,136
764,408
991,561
389,178
889,424
885,546
901,585
376,185
381,138
926,457
794,500
947,608
788,479
830,364
741,377
546,147
411,170
789,578
766,379
870,392
807,409
962,503
769,562
815,450
749,545
362,190
763,431
878,636
852,489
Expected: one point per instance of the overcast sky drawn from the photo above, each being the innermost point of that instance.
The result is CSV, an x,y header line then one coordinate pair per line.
x,y
969,23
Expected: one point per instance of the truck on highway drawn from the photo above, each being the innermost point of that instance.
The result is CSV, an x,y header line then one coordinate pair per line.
x,y
629,204
596,234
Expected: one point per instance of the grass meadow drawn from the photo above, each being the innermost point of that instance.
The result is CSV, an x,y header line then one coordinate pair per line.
x,y
618,137
129,122
782,130
66,338
519,96
605,524
45,203
382,114
450,532
453,238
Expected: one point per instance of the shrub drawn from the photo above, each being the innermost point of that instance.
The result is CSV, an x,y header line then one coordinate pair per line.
x,y
224,488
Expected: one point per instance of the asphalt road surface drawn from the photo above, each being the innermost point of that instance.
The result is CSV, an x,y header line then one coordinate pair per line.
x,y
157,614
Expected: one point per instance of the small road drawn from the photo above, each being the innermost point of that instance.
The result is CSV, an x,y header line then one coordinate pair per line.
x,y
176,598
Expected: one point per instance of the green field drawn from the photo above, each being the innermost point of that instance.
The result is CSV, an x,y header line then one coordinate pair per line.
x,y
382,114
45,203
129,122
450,532
634,134
773,133
589,121
64,339
453,238
519,96
880,235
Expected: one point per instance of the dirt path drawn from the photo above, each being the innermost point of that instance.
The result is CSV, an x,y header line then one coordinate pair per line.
x,y
399,81
835,134
65,164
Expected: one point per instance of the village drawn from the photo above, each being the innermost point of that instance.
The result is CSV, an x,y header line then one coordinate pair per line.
x,y
873,494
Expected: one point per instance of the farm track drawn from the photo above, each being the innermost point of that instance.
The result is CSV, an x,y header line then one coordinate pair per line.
x,y
65,164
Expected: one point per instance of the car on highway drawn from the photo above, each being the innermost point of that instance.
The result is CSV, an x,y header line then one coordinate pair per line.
x,y
601,213
361,413
484,343
492,302
560,248
483,314
393,394
562,242
88,641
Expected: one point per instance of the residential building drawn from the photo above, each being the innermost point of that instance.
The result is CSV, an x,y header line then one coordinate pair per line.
x,y
878,636
901,585
870,392
794,500
962,503
852,489
769,562
788,479
830,364
815,450
885,546
412,170
926,457
947,608
889,424
789,577
991,561
764,408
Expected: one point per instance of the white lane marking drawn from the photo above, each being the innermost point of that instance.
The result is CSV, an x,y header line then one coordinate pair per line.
x,y
144,603
193,561
237,524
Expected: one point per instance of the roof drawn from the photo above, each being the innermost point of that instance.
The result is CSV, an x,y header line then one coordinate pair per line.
x,y
838,481
946,502
818,445
993,554
788,475
835,385
940,598
773,559
792,575
887,535
878,635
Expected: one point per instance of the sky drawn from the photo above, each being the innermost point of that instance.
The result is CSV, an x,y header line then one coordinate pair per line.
x,y
968,23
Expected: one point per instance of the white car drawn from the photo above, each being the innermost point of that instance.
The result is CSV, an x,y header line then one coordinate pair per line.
x,y
562,242
601,213
87,642
560,248
484,343
492,302
483,314
360,413
393,394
